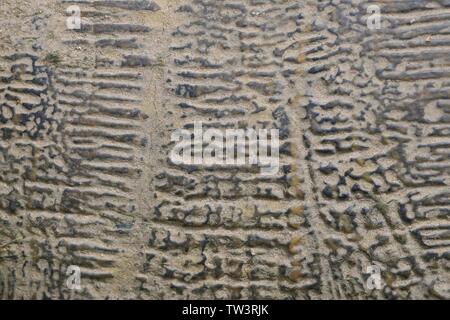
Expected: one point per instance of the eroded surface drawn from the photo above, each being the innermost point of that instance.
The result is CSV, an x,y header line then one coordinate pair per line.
x,y
85,123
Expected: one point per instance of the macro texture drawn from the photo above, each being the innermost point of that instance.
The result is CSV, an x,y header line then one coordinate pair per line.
x,y
86,117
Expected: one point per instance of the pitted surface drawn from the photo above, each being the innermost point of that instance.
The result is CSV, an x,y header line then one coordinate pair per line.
x,y
86,118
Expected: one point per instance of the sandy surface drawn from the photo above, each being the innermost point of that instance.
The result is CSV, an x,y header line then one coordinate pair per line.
x,y
86,180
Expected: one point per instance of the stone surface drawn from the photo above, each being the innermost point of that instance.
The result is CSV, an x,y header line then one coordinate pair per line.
x,y
86,118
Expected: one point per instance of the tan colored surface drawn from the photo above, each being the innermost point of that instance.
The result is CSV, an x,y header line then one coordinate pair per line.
x,y
85,125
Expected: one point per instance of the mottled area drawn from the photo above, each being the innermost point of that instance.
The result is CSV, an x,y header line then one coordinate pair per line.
x,y
86,118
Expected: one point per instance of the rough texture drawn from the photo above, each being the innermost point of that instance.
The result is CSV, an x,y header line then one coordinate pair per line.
x,y
85,123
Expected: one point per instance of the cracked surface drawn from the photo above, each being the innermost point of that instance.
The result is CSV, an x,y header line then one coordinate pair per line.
x,y
86,118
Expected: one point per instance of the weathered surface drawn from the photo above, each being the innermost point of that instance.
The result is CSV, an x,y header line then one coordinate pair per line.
x,y
85,123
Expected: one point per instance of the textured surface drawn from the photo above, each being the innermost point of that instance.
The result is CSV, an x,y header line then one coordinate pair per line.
x,y
86,118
